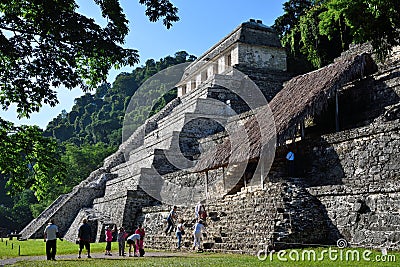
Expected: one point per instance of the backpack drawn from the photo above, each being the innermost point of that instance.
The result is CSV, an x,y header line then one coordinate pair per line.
x,y
182,231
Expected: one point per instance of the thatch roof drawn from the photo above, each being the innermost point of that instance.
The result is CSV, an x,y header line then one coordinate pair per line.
x,y
303,96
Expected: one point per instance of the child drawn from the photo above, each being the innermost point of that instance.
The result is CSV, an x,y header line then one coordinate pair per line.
x,y
180,230
198,228
121,241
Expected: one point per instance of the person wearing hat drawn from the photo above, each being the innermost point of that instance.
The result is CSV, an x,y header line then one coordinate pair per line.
x,y
198,229
50,237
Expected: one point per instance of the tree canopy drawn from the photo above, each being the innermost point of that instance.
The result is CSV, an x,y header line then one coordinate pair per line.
x,y
30,161
322,29
47,44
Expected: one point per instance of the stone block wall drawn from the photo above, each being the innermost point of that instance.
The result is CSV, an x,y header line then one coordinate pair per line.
x,y
262,56
112,206
270,82
342,196
93,219
365,219
120,209
280,215
356,175
361,158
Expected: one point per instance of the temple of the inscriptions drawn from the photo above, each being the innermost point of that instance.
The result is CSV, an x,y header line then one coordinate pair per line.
x,y
224,139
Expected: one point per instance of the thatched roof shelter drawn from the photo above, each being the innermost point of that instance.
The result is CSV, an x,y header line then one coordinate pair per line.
x,y
301,97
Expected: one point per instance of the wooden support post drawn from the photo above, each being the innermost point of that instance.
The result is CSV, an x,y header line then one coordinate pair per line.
x,y
302,127
337,110
206,185
262,174
223,177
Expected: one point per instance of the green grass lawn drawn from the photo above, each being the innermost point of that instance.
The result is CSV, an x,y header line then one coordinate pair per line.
x,y
9,248
294,258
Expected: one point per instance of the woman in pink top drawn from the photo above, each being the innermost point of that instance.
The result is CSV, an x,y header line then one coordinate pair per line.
x,y
109,238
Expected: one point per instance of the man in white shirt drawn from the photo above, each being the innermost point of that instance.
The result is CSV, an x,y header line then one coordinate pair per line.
x,y
50,237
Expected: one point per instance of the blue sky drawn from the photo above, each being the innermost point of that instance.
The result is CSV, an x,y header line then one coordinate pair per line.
x,y
202,24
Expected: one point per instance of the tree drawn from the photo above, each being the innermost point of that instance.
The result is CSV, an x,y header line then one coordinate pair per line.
x,y
46,44
293,10
322,29
20,214
288,28
81,161
317,47
30,161
372,21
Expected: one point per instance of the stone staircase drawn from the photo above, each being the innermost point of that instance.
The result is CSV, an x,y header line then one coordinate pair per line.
x,y
160,152
157,151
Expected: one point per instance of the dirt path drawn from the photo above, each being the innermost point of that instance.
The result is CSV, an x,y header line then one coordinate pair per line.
x,y
94,256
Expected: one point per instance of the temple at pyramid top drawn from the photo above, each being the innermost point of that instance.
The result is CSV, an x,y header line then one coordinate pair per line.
x,y
252,44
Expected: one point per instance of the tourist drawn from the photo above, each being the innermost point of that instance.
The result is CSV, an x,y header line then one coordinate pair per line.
x,y
109,239
290,163
170,221
84,236
200,212
121,241
50,237
198,229
139,244
180,230
197,211
132,241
